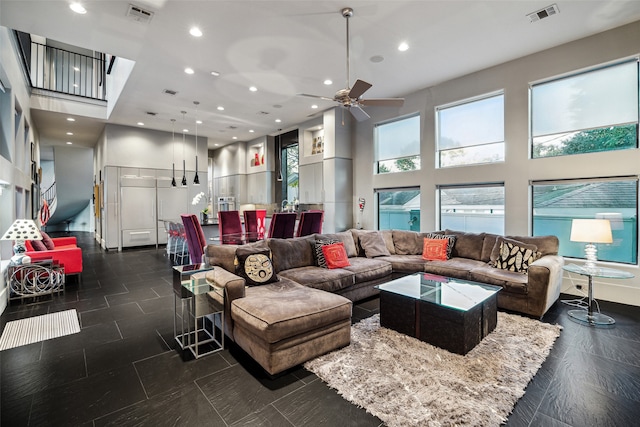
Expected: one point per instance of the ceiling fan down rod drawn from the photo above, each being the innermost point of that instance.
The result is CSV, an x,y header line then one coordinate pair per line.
x,y
347,12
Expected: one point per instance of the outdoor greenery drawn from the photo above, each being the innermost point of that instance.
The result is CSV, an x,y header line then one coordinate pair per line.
x,y
399,165
590,141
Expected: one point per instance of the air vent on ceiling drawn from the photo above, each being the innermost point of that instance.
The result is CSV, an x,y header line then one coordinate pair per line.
x,y
151,113
170,92
544,13
139,14
233,127
263,113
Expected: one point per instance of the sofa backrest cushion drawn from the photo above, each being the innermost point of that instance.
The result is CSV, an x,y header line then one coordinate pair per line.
x,y
487,246
408,242
468,245
292,253
345,237
547,245
37,245
222,255
373,244
48,242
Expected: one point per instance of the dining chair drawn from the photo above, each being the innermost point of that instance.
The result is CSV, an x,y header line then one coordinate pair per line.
x,y
283,225
195,237
254,224
310,223
230,227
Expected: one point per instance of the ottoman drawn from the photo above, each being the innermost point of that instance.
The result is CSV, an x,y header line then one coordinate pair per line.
x,y
284,324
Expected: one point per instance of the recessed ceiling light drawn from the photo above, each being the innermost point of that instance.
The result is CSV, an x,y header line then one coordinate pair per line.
x,y
314,106
253,89
71,119
78,8
234,137
278,120
195,32
403,47
220,108
185,130
189,70
199,122
216,145
69,133
251,131
215,73
76,69
140,124
328,82
376,58
69,143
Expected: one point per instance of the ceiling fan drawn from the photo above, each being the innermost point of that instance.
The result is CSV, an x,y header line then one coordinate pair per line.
x,y
350,98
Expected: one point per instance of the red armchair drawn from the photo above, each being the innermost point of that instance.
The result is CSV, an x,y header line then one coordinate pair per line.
x,y
66,253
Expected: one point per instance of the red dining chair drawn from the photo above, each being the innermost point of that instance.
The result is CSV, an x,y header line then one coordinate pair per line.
x,y
310,223
195,237
283,225
230,227
254,224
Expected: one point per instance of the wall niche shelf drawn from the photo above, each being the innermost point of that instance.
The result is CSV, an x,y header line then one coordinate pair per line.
x,y
256,158
314,142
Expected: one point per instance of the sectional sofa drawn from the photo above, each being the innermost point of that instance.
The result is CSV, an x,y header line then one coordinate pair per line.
x,y
315,316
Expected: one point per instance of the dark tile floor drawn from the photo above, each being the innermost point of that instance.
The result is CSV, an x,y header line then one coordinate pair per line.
x,y
122,368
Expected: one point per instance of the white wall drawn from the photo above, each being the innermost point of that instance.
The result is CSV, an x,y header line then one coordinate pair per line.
x,y
518,169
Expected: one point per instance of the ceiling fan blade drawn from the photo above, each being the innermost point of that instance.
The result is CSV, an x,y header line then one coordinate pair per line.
x,y
388,102
358,113
315,96
359,88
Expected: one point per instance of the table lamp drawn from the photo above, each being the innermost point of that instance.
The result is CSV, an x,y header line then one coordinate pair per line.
x,y
591,231
21,230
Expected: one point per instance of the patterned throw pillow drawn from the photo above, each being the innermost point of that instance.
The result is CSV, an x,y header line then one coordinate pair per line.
x,y
515,258
435,249
255,266
317,251
449,237
335,255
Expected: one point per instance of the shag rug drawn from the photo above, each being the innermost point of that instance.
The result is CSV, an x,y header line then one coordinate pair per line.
x,y
406,382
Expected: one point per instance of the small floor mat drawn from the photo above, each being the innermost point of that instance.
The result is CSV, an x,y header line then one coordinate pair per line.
x,y
39,328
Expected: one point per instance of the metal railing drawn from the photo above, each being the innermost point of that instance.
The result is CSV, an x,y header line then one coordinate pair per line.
x,y
63,71
50,194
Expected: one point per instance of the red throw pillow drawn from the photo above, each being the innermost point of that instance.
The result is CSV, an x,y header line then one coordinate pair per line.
x,y
47,241
435,249
335,255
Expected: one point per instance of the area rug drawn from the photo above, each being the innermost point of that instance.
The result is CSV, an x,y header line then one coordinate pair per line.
x,y
406,382
39,328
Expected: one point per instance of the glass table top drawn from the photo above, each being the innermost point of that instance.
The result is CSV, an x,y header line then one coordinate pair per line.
x,y
605,272
444,291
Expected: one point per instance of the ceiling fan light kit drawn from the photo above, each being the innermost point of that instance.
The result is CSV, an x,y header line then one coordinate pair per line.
x,y
350,97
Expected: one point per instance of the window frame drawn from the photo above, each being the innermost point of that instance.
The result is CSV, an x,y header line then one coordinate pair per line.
x,y
376,139
438,109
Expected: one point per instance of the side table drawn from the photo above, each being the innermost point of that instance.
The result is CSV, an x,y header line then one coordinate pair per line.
x,y
586,314
34,280
196,317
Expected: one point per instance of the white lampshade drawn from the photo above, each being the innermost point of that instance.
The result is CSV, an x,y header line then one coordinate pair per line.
x,y
591,231
21,230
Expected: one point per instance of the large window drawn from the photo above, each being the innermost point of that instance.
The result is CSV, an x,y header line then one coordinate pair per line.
x,y
290,180
473,208
555,204
398,145
471,132
584,113
398,209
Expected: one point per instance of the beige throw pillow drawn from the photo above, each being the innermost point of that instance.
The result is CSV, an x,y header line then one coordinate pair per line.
x,y
373,245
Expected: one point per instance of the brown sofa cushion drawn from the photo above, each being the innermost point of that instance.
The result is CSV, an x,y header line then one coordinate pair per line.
x,y
404,263
367,269
291,253
468,245
508,280
408,242
345,237
373,244
222,255
547,245
320,278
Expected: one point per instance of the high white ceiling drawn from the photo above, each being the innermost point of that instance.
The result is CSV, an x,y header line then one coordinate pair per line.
x,y
289,47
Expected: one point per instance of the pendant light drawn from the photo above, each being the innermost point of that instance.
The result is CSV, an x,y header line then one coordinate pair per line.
x,y
196,179
173,147
184,162
279,148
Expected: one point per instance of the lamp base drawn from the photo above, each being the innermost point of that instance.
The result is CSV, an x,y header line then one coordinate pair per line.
x,y
595,319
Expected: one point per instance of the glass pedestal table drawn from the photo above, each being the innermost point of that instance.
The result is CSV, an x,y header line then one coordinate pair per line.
x,y
586,314
449,313
198,323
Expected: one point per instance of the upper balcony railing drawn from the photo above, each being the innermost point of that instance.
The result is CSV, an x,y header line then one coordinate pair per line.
x,y
63,71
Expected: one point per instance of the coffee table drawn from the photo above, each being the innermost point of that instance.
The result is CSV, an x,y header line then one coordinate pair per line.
x,y
449,313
